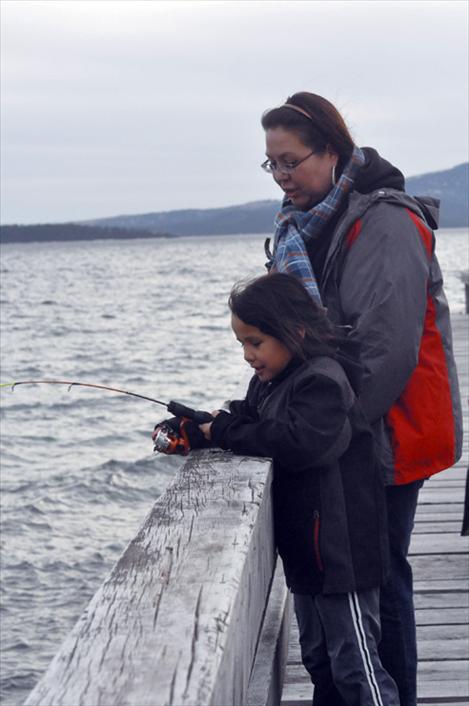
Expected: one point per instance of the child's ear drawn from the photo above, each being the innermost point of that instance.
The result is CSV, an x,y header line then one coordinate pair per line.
x,y
302,331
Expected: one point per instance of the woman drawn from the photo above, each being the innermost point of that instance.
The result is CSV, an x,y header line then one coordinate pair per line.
x,y
349,231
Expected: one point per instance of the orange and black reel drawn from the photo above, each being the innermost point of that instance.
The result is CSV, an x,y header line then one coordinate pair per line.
x,y
168,440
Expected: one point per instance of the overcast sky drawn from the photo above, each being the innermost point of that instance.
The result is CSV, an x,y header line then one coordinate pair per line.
x,y
130,106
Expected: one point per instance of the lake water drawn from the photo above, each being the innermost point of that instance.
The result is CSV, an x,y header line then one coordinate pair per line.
x,y
78,470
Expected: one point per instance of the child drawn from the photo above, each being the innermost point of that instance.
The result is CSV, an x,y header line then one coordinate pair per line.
x,y
329,511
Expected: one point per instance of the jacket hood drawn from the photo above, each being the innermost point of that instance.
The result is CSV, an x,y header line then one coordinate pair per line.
x,y
377,173
430,208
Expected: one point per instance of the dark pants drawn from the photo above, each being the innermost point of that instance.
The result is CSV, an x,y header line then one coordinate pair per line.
x,y
339,637
398,646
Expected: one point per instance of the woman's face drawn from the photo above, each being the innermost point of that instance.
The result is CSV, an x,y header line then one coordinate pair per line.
x,y
311,180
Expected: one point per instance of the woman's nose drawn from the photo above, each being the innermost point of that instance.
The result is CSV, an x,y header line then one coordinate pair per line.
x,y
282,179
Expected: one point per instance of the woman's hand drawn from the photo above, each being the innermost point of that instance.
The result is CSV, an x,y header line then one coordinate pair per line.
x,y
206,428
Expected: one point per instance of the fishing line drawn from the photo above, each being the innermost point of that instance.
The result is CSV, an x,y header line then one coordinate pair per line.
x,y
176,408
73,383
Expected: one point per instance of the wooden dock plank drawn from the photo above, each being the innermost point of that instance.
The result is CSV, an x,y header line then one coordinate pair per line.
x,y
440,512
434,493
430,639
440,562
444,527
442,599
446,584
444,616
439,566
444,681
441,544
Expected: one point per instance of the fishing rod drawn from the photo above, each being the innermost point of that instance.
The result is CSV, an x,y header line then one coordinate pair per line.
x,y
176,408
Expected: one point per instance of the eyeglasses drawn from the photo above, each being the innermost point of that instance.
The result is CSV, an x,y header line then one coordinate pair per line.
x,y
270,166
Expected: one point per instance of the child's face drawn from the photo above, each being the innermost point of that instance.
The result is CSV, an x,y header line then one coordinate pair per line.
x,y
266,354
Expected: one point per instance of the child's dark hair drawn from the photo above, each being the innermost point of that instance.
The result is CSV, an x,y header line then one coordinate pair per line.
x,y
279,306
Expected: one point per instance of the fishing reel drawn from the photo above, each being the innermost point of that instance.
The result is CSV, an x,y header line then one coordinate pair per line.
x,y
171,437
181,433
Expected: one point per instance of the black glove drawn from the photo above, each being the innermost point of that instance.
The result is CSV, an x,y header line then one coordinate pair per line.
x,y
196,438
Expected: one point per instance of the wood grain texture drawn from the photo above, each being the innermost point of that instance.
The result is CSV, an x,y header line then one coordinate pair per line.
x,y
267,675
177,621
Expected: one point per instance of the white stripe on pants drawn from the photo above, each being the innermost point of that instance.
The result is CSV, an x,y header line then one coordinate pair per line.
x,y
339,634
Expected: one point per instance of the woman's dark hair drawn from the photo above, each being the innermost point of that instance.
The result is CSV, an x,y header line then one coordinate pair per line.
x,y
279,305
325,127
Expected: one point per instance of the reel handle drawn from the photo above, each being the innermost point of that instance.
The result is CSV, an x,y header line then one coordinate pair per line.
x,y
197,416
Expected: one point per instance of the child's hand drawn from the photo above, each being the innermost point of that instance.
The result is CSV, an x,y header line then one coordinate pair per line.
x,y
206,428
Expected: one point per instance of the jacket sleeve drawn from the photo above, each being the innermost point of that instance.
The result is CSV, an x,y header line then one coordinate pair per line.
x,y
383,293
248,405
312,430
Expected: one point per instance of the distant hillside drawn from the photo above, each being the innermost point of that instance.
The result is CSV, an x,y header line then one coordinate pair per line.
x,y
254,217
451,186
70,231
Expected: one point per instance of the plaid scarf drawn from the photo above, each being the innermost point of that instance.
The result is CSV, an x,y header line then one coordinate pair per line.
x,y
295,229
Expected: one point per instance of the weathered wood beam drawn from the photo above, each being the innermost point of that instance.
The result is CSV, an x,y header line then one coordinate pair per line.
x,y
177,622
268,671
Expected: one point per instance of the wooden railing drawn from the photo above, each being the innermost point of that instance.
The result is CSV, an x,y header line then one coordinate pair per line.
x,y
195,611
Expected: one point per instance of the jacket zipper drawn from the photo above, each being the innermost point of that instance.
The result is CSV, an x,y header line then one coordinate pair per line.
x,y
317,553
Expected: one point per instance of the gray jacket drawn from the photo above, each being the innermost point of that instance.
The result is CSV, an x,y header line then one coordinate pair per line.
x,y
381,277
